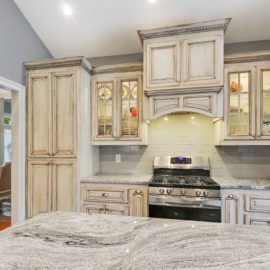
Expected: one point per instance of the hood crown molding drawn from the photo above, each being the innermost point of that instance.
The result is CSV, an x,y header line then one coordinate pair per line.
x,y
207,26
58,63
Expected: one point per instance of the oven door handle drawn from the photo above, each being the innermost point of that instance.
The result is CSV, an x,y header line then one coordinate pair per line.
x,y
176,202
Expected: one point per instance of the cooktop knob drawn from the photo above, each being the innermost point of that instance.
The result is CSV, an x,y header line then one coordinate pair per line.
x,y
162,191
169,191
205,193
198,193
183,192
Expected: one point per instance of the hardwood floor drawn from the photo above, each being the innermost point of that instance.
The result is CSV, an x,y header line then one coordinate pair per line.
x,y
5,222
5,219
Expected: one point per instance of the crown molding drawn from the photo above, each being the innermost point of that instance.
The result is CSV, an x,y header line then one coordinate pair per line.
x,y
213,25
182,91
247,57
122,68
58,63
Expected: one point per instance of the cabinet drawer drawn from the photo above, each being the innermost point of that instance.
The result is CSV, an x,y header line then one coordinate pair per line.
x,y
104,194
256,220
108,209
93,208
257,203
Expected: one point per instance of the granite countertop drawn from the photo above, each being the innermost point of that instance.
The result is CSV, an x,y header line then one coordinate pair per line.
x,y
245,183
80,241
126,179
144,179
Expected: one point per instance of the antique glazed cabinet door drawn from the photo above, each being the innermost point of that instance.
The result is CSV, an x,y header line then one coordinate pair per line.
x,y
39,191
64,114
138,201
203,59
162,63
39,114
104,128
263,101
64,185
129,108
239,101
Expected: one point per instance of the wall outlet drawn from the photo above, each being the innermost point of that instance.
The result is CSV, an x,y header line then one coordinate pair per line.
x,y
118,158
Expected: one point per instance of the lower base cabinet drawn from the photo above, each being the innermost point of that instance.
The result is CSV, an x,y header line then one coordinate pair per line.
x,y
246,207
127,200
51,186
102,208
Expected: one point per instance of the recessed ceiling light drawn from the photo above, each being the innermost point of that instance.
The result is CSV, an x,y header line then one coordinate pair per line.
x,y
152,1
67,10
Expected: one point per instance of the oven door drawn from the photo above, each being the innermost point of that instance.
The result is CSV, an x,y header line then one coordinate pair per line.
x,y
186,208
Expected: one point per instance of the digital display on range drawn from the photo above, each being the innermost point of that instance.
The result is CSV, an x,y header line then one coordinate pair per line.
x,y
180,160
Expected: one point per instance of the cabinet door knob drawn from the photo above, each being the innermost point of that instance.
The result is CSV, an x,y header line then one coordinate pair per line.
x,y
137,192
232,197
104,194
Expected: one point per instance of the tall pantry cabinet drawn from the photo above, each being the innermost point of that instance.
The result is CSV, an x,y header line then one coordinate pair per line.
x,y
58,134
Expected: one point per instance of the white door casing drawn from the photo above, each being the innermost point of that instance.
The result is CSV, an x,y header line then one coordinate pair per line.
x,y
18,149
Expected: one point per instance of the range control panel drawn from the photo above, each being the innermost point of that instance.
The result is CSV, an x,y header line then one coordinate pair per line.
x,y
181,160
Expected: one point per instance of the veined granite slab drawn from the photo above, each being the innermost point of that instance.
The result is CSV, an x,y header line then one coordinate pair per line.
x,y
126,179
81,241
233,183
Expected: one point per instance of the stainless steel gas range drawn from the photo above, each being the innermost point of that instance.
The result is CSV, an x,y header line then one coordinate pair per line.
x,y
182,188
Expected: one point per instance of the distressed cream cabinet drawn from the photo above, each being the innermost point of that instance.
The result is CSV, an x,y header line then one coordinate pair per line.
x,y
52,113
185,58
51,186
58,132
249,207
114,199
118,100
246,100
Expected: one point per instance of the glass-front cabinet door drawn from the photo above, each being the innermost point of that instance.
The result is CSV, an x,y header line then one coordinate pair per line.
x,y
130,109
105,99
263,112
240,104
117,110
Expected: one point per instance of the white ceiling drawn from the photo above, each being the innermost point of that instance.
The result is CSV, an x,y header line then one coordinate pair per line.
x,y
108,27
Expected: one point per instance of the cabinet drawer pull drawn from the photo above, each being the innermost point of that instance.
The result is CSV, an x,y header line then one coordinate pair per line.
x,y
137,192
105,195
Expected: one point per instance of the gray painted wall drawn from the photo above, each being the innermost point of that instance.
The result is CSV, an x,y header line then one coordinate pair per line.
x,y
138,57
18,42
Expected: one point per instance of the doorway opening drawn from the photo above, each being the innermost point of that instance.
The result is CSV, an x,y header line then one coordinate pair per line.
x,y
5,158
12,152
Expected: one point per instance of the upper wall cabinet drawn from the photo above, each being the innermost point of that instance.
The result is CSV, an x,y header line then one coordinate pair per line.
x,y
117,98
184,59
246,100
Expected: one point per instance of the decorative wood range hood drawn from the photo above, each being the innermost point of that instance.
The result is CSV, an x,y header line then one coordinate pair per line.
x,y
184,68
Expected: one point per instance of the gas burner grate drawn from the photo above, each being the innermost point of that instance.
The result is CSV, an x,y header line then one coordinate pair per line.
x,y
187,180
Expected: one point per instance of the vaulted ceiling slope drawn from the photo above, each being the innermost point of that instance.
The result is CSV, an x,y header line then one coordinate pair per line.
x,y
108,27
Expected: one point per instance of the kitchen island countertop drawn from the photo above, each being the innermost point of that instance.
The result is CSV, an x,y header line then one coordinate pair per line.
x,y
80,241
